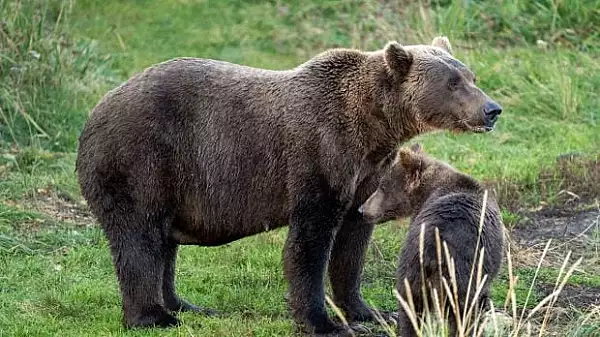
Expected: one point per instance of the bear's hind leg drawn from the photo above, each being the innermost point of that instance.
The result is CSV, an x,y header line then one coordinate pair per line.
x,y
172,301
139,259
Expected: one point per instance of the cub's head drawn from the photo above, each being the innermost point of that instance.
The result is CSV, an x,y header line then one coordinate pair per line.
x,y
435,89
409,182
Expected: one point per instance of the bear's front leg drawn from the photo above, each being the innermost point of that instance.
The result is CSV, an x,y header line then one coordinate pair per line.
x,y
313,222
346,266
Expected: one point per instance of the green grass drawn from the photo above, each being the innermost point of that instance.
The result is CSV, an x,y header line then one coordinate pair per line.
x,y
48,79
57,58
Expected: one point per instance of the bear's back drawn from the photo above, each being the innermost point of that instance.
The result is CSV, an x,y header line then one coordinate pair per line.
x,y
190,133
457,218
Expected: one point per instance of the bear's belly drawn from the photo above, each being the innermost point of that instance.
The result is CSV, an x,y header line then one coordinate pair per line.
x,y
202,235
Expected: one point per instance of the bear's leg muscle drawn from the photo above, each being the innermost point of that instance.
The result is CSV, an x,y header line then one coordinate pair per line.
x,y
346,266
312,226
139,258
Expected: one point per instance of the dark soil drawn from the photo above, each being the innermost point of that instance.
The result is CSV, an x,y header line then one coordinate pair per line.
x,y
573,295
572,230
558,224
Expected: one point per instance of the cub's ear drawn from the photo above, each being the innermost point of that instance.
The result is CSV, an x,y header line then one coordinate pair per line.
x,y
397,59
442,42
412,165
409,160
417,148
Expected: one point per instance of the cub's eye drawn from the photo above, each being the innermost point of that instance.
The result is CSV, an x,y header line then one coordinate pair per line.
x,y
453,82
474,80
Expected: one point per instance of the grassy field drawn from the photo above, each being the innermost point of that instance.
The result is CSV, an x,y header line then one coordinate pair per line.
x,y
539,59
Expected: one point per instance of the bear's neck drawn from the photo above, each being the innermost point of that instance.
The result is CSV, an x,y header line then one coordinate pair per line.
x,y
361,82
369,104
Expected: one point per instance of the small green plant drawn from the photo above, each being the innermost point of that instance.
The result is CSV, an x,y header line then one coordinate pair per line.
x,y
510,219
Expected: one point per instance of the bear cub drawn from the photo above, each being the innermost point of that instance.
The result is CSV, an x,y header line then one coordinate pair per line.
x,y
438,197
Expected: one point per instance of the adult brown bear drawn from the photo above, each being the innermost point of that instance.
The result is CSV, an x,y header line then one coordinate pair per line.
x,y
203,152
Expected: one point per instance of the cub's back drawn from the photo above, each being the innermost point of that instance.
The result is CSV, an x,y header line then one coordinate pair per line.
x,y
457,216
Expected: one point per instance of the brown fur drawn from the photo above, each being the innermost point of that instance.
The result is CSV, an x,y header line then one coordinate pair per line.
x,y
204,152
438,197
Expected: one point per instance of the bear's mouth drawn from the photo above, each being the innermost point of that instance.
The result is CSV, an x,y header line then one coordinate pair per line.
x,y
478,129
482,129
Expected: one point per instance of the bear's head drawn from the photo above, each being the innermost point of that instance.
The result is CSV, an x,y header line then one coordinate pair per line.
x,y
409,182
437,91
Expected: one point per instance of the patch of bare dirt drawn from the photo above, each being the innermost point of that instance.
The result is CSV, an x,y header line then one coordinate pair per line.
x,y
573,295
62,207
567,226
57,206
574,231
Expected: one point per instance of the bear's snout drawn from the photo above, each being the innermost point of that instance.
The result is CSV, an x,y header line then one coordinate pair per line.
x,y
372,209
491,111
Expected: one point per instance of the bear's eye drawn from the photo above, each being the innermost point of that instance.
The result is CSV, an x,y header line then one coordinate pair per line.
x,y
474,80
453,82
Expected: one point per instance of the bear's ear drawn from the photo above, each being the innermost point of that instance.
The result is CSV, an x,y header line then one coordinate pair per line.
x,y
442,42
409,160
413,166
397,59
417,148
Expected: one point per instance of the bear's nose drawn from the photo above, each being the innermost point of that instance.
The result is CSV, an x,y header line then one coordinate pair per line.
x,y
492,109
